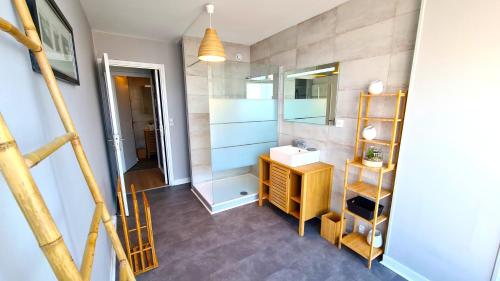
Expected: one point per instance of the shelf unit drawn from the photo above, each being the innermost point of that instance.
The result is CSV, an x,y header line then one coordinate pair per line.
x,y
354,240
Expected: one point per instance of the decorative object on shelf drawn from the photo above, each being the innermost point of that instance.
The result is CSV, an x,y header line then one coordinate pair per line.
x,y
369,195
363,207
376,87
373,157
330,227
377,241
369,132
57,39
211,48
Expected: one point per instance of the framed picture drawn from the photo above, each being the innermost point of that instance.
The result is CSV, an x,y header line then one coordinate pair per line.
x,y
57,40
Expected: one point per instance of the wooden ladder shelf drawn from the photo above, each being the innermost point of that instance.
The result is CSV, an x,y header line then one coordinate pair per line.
x,y
15,168
356,241
142,256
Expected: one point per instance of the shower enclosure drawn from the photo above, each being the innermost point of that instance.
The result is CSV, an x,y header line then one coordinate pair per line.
x,y
241,124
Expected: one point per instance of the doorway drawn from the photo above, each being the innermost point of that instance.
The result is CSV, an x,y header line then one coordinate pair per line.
x,y
135,98
136,123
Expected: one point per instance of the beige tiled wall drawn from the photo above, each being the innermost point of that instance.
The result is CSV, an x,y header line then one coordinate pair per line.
x,y
202,81
196,80
372,40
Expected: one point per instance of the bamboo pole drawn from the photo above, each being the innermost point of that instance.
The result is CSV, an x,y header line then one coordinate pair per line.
x,y
55,92
30,201
19,36
360,111
138,225
342,217
365,123
123,271
43,152
88,255
124,221
375,216
149,224
394,130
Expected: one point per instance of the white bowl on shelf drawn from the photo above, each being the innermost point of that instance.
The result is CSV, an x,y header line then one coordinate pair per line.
x,y
369,132
376,87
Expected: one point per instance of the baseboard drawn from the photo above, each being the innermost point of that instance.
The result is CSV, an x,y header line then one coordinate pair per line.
x,y
201,200
181,181
402,270
112,271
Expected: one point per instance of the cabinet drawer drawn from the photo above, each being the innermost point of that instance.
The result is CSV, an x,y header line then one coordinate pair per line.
x,y
279,189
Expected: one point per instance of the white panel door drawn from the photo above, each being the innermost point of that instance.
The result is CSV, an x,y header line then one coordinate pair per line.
x,y
160,125
115,124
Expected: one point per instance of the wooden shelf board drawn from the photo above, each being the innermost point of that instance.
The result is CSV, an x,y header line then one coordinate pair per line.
x,y
377,141
380,119
367,190
384,95
265,195
358,164
295,213
380,219
296,199
358,244
266,182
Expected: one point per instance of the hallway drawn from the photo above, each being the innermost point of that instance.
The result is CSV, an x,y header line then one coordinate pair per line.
x,y
144,175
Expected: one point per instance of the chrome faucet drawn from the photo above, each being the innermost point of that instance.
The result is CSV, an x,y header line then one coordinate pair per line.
x,y
299,143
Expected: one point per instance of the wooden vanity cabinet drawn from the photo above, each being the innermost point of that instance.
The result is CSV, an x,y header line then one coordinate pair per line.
x,y
303,192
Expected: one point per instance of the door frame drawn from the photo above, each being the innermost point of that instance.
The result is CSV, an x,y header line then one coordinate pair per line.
x,y
164,103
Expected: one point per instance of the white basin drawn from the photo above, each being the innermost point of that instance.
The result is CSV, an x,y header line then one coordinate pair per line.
x,y
293,156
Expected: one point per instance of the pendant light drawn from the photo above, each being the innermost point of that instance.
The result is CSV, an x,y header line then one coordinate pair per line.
x,y
211,49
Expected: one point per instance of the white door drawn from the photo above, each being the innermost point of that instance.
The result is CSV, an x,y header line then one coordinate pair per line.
x,y
125,120
115,125
160,125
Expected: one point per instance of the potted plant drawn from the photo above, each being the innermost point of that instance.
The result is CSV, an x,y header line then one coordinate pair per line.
x,y
373,157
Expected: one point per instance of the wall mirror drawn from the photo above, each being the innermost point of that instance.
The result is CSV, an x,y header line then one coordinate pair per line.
x,y
310,94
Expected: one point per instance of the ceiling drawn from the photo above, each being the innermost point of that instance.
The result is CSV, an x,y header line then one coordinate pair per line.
x,y
239,21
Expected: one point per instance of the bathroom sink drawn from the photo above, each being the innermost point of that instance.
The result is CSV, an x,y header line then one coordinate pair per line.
x,y
293,156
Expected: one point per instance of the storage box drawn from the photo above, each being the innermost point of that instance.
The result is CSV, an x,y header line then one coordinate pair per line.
x,y
363,207
330,227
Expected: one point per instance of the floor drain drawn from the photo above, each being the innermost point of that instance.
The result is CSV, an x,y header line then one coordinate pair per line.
x,y
243,193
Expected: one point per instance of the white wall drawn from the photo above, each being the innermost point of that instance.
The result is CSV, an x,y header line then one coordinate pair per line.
x,y
120,47
445,217
26,106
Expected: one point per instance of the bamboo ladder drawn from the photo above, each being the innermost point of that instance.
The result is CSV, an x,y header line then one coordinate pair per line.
x,y
355,241
15,169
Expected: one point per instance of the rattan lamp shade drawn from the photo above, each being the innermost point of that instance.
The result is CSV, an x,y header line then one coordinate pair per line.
x,y
211,48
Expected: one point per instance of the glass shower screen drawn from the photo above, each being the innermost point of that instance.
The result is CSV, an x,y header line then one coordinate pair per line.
x,y
243,114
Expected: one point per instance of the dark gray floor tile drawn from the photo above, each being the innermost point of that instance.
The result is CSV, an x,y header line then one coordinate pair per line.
x,y
244,244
